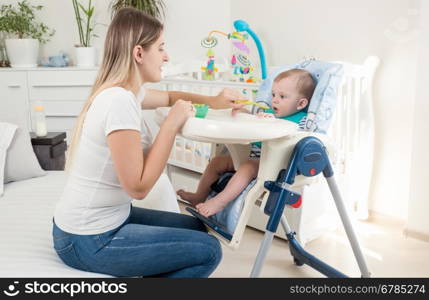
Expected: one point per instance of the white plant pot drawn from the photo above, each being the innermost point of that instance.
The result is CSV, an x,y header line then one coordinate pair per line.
x,y
22,53
85,56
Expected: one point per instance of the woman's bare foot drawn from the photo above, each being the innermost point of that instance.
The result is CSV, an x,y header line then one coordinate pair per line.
x,y
210,207
192,198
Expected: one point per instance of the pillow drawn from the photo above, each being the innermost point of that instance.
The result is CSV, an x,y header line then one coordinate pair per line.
x,y
7,131
21,162
327,76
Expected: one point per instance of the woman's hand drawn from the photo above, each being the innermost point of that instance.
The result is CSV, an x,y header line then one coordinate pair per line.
x,y
179,114
226,98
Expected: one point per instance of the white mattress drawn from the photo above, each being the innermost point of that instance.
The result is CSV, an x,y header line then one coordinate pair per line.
x,y
26,211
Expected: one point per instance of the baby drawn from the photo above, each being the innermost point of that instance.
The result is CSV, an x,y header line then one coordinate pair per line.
x,y
291,94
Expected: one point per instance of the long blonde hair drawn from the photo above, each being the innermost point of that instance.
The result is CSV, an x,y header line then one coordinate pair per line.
x,y
130,27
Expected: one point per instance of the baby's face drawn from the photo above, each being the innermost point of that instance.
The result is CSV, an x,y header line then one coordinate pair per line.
x,y
285,97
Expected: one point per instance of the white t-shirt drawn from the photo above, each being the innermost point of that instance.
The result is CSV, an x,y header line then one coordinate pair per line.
x,y
93,200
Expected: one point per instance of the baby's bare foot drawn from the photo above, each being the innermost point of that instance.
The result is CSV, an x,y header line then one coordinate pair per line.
x,y
192,198
210,207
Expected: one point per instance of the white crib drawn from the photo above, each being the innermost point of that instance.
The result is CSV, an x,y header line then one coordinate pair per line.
x,y
352,134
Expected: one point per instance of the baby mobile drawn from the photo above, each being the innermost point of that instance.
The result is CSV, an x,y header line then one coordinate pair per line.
x,y
240,64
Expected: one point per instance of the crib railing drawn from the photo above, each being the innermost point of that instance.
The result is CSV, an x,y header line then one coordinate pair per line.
x,y
353,132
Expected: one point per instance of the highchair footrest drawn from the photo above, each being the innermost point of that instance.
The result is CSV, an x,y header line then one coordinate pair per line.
x,y
213,224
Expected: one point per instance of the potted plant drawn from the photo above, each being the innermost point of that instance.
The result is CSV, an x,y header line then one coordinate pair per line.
x,y
24,33
85,53
4,60
154,8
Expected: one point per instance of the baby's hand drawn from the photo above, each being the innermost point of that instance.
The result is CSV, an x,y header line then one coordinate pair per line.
x,y
238,108
265,115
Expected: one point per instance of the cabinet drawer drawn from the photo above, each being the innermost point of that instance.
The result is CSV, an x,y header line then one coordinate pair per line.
x,y
14,106
65,124
61,108
60,123
59,93
60,85
13,80
61,78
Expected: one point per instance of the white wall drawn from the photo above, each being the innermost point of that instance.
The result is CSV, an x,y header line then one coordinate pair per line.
x,y
59,15
418,220
189,21
351,31
186,23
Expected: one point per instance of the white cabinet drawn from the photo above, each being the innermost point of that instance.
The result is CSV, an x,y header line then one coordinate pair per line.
x,y
14,106
62,91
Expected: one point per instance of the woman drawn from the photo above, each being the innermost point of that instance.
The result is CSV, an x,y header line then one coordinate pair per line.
x,y
111,161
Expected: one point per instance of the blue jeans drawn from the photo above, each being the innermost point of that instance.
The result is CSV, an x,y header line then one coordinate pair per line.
x,y
149,243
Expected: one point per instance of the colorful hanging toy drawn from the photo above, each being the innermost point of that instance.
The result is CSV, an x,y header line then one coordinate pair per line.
x,y
210,69
241,66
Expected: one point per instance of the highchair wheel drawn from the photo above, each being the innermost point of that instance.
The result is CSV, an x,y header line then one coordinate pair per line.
x,y
297,262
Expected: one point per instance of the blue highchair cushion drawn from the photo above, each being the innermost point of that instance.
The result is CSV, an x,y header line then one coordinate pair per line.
x,y
322,105
230,215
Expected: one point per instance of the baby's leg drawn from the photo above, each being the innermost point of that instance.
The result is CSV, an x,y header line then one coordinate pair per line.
x,y
217,166
244,175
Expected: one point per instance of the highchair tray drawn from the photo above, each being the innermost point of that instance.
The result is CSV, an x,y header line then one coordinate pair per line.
x,y
213,224
219,126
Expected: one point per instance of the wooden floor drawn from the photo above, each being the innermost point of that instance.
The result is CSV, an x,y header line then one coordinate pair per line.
x,y
387,251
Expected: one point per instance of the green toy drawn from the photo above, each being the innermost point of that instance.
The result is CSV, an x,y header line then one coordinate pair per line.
x,y
201,110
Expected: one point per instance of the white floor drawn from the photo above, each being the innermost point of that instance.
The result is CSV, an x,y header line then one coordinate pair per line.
x,y
387,251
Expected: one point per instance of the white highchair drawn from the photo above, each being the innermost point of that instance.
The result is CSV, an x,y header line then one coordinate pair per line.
x,y
290,158
279,140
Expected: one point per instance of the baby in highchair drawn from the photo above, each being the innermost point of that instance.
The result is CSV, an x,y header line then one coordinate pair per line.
x,y
291,94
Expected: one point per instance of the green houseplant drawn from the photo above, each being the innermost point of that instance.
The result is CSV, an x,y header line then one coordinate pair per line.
x,y
85,53
23,33
154,8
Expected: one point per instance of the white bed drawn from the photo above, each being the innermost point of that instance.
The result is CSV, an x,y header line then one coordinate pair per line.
x,y
26,211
